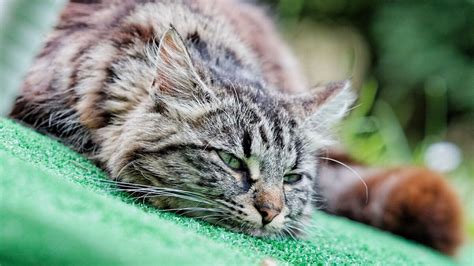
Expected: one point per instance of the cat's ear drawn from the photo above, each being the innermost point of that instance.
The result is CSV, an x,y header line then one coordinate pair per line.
x,y
324,106
177,86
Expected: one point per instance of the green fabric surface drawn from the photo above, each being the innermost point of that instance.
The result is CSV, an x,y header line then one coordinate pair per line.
x,y
54,210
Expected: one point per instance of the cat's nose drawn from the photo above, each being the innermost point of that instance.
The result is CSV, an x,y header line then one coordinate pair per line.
x,y
267,212
269,203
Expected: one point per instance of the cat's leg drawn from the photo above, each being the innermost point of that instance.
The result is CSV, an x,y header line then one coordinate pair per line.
x,y
412,202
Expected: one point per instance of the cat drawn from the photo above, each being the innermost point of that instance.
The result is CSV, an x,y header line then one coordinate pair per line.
x,y
199,105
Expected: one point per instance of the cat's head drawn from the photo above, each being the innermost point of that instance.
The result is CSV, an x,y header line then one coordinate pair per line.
x,y
238,156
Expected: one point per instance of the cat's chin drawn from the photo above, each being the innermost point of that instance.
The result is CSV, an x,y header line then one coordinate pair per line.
x,y
275,230
273,233
252,226
263,232
267,231
258,231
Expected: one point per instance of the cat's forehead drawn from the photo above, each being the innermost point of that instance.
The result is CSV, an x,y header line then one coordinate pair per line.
x,y
260,128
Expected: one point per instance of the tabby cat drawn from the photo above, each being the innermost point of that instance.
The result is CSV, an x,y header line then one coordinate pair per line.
x,y
200,106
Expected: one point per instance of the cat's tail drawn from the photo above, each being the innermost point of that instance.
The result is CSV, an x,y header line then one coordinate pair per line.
x,y
415,203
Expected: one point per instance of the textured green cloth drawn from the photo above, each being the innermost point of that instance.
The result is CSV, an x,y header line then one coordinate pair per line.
x,y
54,211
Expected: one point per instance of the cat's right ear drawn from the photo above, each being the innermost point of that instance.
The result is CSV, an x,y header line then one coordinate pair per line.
x,y
177,87
323,107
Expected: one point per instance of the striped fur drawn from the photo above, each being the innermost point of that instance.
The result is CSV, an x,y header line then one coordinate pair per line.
x,y
150,90
153,91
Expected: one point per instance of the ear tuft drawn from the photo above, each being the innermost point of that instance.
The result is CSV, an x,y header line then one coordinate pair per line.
x,y
334,101
177,86
175,69
335,95
324,106
172,49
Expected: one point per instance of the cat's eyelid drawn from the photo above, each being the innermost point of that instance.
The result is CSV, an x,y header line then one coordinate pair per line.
x,y
217,150
244,166
303,173
295,171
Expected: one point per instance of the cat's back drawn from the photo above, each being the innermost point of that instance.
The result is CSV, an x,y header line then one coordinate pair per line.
x,y
92,33
95,65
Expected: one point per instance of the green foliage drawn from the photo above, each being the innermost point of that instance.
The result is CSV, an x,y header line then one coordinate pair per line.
x,y
418,41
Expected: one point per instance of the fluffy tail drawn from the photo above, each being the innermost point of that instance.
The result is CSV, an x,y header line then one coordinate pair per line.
x,y
415,203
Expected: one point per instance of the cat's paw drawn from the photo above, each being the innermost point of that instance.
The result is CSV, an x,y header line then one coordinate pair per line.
x,y
420,205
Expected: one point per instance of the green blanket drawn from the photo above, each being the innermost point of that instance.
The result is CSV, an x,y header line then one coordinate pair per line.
x,y
55,210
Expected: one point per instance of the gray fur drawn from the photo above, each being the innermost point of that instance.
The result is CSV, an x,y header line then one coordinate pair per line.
x,y
153,103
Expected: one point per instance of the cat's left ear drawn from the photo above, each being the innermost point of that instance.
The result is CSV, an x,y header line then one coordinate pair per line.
x,y
324,106
177,86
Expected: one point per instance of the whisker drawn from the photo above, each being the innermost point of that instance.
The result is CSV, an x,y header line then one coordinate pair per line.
x,y
289,232
203,217
173,189
125,186
354,172
169,194
206,207
125,167
152,191
300,228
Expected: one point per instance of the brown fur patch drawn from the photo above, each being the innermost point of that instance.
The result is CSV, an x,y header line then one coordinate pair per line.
x,y
129,34
424,208
94,117
412,202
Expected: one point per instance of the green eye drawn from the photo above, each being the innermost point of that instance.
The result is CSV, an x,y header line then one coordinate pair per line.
x,y
231,161
292,178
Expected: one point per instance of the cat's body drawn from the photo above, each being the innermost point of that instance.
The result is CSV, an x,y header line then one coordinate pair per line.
x,y
193,97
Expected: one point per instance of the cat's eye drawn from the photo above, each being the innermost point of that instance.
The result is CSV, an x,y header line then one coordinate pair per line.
x,y
292,178
230,160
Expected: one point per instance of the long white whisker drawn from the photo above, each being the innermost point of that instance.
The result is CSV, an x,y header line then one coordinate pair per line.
x,y
354,172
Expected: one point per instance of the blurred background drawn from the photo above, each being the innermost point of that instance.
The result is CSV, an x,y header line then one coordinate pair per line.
x,y
411,61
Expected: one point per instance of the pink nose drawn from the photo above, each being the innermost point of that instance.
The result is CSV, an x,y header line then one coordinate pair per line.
x,y
268,213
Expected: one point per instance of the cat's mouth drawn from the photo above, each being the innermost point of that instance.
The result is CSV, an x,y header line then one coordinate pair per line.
x,y
238,219
282,226
248,227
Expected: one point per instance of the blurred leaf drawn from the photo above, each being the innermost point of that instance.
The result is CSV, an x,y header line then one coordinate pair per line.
x,y
418,40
